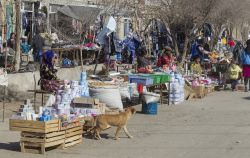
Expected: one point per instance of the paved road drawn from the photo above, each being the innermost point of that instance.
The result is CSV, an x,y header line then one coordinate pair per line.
x,y
215,127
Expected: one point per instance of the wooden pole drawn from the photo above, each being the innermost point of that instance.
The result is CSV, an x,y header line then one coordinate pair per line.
x,y
4,95
81,58
18,35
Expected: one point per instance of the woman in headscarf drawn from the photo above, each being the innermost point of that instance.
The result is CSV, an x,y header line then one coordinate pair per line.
x,y
245,58
166,59
47,71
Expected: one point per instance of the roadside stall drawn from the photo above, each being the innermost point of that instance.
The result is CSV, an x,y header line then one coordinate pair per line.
x,y
59,123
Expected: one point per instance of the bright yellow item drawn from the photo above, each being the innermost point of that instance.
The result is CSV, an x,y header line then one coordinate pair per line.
x,y
234,71
196,68
224,41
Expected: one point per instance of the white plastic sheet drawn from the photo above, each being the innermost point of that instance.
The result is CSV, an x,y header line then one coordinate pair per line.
x,y
3,78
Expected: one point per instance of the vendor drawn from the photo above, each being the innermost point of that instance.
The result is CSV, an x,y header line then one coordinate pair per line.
x,y
144,64
165,59
203,50
11,43
47,71
196,66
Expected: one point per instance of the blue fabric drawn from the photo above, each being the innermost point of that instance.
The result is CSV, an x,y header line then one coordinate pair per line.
x,y
234,83
194,50
25,48
49,55
245,57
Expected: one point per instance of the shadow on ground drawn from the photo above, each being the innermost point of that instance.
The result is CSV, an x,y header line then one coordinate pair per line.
x,y
246,98
13,146
89,136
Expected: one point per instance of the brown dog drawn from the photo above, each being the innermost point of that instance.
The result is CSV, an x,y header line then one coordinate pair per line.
x,y
104,122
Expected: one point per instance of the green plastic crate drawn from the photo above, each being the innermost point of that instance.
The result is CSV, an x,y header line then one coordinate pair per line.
x,y
165,78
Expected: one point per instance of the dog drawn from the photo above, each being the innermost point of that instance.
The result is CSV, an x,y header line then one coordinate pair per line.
x,y
120,120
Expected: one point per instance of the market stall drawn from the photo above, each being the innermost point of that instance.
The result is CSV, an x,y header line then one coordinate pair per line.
x,y
59,123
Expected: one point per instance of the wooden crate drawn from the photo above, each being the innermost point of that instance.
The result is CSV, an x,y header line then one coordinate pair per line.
x,y
39,142
34,126
73,136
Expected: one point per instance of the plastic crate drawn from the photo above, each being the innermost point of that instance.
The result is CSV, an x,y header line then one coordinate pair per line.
x,y
165,78
159,79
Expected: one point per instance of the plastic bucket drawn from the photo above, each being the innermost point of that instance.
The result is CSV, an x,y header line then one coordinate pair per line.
x,y
150,109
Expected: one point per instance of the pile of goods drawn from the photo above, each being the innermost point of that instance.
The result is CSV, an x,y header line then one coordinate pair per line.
x,y
61,105
177,89
214,56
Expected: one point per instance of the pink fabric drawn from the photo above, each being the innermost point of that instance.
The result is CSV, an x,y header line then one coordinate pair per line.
x,y
89,45
246,70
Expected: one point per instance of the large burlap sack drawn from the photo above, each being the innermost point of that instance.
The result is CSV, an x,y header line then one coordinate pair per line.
x,y
109,95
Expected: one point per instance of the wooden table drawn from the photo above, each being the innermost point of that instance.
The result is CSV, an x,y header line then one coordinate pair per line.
x,y
74,50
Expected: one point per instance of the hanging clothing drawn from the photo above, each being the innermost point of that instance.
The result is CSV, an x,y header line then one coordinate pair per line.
x,y
37,45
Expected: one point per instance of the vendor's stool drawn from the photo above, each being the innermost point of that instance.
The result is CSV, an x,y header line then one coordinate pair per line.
x,y
161,89
42,92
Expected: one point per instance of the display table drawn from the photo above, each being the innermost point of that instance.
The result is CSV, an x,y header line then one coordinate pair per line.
x,y
154,83
75,51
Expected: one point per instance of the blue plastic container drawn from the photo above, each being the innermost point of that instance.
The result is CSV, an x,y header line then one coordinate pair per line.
x,y
150,109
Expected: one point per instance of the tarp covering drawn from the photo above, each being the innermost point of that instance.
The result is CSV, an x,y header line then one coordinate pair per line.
x,y
81,13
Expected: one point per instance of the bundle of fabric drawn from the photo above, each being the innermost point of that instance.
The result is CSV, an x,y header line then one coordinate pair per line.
x,y
50,85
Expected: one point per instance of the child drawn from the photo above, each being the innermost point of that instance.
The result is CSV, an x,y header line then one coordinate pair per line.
x,y
234,74
196,66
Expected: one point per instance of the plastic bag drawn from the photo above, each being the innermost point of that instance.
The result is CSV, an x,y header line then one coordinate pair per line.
x,y
50,101
109,95
124,91
150,97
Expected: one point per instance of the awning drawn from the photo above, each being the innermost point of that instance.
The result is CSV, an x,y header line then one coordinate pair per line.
x,y
81,13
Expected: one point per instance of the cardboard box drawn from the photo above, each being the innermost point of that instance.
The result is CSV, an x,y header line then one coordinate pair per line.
x,y
85,102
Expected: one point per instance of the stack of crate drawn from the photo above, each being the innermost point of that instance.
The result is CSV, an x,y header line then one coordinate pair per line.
x,y
37,136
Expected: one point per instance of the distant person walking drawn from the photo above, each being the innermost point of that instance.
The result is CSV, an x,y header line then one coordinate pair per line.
x,y
245,57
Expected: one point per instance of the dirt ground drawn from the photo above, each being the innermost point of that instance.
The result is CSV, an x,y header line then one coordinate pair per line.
x,y
217,126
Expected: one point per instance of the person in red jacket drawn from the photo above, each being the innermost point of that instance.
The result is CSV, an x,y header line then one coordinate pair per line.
x,y
166,59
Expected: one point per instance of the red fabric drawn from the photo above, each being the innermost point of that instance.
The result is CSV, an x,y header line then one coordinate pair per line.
x,y
143,70
90,37
164,60
231,43
140,88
